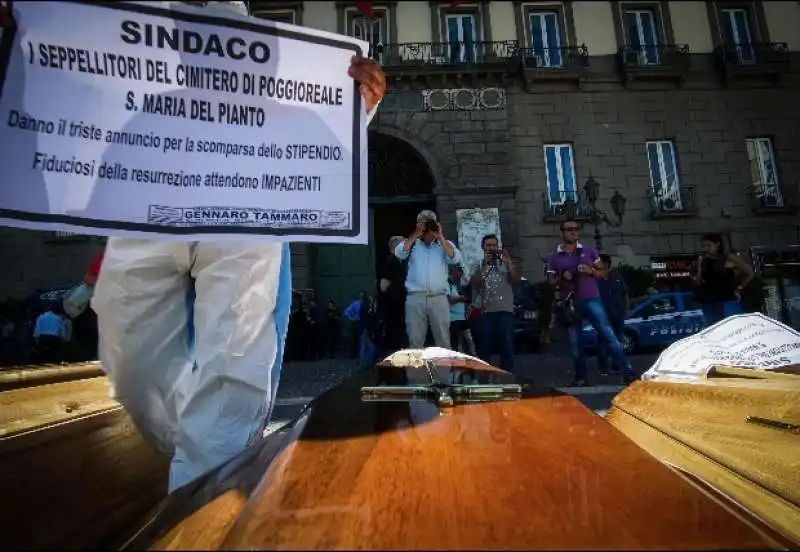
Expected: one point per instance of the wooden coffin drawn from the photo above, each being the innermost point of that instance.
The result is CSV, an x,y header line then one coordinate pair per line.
x,y
702,429
74,471
537,472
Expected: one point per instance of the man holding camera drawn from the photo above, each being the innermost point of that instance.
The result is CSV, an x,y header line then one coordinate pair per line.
x,y
495,325
429,254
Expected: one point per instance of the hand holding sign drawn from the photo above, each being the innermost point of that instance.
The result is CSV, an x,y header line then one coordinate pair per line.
x,y
372,81
183,124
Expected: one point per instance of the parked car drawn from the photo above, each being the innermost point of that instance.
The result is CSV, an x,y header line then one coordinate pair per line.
x,y
657,320
527,324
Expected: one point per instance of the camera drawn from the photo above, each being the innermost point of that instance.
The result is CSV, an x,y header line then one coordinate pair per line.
x,y
495,257
432,226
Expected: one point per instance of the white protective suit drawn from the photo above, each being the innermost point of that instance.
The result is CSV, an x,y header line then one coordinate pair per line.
x,y
201,417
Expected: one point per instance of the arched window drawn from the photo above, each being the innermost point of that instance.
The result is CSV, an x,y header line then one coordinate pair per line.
x,y
396,169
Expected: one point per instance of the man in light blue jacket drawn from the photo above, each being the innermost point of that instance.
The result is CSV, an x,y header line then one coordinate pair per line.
x,y
429,256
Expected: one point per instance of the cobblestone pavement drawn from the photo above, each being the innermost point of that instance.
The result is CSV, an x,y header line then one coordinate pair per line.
x,y
302,381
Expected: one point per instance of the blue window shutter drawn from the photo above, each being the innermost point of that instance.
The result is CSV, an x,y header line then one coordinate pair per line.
x,y
727,28
767,161
469,38
630,21
648,28
668,153
452,38
452,29
743,31
537,38
553,38
655,171
552,175
566,170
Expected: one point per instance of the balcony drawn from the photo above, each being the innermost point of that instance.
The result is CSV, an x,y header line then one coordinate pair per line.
x,y
673,202
553,64
767,60
772,199
556,212
656,62
441,59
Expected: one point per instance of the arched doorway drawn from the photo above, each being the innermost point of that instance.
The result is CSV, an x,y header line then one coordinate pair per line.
x,y
400,185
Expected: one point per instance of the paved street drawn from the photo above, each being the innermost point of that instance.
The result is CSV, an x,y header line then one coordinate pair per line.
x,y
302,381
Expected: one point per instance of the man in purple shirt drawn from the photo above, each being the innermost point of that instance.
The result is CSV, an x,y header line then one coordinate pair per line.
x,y
574,268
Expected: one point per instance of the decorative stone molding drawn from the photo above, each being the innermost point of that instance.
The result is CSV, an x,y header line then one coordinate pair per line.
x,y
464,99
444,99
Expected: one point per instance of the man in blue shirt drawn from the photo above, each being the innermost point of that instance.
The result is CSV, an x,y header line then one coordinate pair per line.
x,y
429,254
48,334
614,295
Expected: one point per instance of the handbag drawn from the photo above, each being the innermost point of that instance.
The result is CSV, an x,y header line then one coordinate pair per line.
x,y
78,300
473,314
564,311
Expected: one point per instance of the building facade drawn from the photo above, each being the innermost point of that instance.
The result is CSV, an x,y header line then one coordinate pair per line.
x,y
687,109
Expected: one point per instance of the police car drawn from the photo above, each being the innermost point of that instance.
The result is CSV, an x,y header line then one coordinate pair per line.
x,y
657,320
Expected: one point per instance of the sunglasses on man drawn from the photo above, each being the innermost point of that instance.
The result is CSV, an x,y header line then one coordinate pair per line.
x,y
571,228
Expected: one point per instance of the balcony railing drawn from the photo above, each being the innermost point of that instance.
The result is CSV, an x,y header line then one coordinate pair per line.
x,y
547,59
675,201
555,209
772,198
754,58
654,60
443,54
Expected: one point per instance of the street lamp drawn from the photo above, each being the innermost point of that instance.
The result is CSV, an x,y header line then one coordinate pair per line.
x,y
597,216
592,189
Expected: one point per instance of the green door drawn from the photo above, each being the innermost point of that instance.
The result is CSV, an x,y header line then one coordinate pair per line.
x,y
342,271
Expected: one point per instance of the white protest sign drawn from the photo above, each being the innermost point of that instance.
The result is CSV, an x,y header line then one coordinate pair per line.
x,y
750,341
472,226
129,119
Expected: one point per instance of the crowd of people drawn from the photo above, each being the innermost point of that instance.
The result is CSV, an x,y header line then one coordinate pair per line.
x,y
318,331
422,296
590,291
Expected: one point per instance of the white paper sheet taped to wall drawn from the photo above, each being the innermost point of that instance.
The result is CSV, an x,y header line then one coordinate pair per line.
x,y
752,341
472,226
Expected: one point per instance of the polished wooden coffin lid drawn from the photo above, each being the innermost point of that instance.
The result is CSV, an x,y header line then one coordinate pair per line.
x,y
542,472
702,428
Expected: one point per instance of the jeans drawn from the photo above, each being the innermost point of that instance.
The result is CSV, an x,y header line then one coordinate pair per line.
x,y
617,325
592,311
716,312
367,351
495,333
